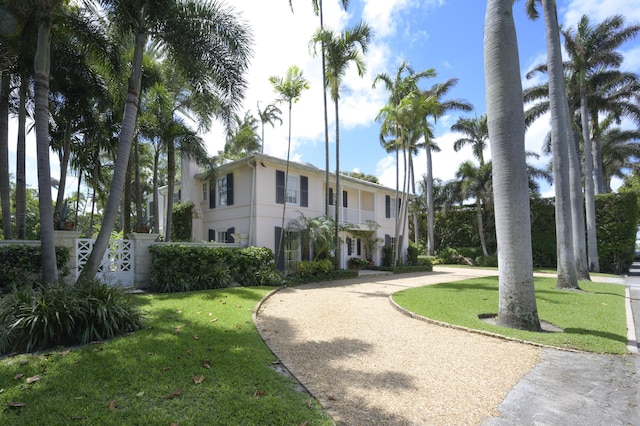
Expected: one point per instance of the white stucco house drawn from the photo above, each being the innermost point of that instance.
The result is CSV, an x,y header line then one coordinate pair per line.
x,y
243,204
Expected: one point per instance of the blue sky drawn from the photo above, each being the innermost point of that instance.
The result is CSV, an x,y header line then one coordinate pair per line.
x,y
443,34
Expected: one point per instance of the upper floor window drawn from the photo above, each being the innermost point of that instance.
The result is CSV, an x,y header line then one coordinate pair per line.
x,y
391,207
205,191
296,190
292,189
222,191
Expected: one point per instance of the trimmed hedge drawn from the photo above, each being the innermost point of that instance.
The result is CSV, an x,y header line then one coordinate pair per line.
x,y
178,268
21,265
617,216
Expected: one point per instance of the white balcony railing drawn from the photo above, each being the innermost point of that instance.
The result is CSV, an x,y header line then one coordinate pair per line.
x,y
355,216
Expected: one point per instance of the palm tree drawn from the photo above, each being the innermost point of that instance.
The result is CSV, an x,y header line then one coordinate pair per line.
x,y
242,139
476,134
437,91
475,182
592,49
340,51
318,10
205,41
269,115
289,88
505,119
620,149
404,83
315,235
561,140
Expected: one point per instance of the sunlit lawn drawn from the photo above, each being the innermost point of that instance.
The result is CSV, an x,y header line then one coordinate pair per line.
x,y
198,361
593,320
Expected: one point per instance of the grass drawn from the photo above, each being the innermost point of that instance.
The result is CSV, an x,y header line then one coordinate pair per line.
x,y
593,320
149,377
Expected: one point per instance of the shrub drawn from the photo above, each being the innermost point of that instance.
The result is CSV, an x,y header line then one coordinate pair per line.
x,y
21,265
387,255
182,218
42,317
412,255
449,256
491,260
425,260
178,268
308,268
357,263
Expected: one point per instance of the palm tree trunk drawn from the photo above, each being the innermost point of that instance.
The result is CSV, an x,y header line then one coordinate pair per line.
x,y
577,211
5,187
517,302
430,203
21,180
171,182
138,185
122,161
338,192
41,92
64,165
560,139
284,205
126,199
598,174
326,119
590,203
483,242
156,192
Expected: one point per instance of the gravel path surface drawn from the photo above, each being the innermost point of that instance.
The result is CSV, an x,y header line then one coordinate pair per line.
x,y
368,363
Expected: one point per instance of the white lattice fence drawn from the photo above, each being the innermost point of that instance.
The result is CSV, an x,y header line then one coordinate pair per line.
x,y
117,266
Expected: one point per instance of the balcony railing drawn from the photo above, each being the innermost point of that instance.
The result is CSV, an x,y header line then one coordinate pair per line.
x,y
355,216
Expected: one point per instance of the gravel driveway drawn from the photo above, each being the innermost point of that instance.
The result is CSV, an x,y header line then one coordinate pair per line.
x,y
368,364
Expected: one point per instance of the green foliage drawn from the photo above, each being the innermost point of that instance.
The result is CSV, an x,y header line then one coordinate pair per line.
x,y
21,265
140,369
412,255
387,255
404,269
593,320
357,263
425,260
617,216
308,268
177,268
42,317
449,256
491,260
543,232
182,218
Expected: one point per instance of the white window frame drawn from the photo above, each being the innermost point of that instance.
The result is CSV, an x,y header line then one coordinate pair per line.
x,y
292,252
393,208
205,191
222,191
292,190
221,235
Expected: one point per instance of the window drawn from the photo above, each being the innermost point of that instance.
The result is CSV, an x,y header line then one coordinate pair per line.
x,y
391,206
176,197
292,189
222,193
205,191
296,191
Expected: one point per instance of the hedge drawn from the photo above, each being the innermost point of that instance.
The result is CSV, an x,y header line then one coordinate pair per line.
x,y
178,268
21,265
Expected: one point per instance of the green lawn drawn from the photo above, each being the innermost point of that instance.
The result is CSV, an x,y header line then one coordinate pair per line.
x,y
198,361
593,320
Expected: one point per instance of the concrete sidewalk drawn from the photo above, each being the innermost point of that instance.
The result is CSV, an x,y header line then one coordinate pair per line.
x,y
580,388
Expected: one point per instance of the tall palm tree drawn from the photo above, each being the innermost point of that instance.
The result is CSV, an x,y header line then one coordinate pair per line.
x,y
475,182
621,151
318,10
402,85
476,134
242,138
592,49
205,40
505,119
437,92
341,50
269,115
289,87
561,139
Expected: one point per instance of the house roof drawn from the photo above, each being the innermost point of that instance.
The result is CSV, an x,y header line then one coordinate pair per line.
x,y
257,158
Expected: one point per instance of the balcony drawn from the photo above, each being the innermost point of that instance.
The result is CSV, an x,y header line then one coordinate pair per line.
x,y
353,216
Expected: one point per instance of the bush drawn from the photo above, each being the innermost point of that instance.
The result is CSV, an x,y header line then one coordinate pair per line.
x,y
357,263
21,265
617,217
308,268
182,218
412,255
178,268
387,255
42,317
425,261
449,256
491,260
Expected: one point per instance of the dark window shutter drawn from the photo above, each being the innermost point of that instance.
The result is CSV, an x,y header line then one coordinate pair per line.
x,y
344,199
212,234
330,196
349,247
387,240
280,255
279,187
399,203
304,191
387,207
212,194
359,247
230,189
230,239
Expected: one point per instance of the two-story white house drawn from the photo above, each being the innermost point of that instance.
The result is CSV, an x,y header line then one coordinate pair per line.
x,y
244,203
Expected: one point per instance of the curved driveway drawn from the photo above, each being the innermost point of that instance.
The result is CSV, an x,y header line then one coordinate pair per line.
x,y
367,363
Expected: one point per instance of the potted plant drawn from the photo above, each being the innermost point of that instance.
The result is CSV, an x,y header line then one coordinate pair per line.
x,y
62,220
